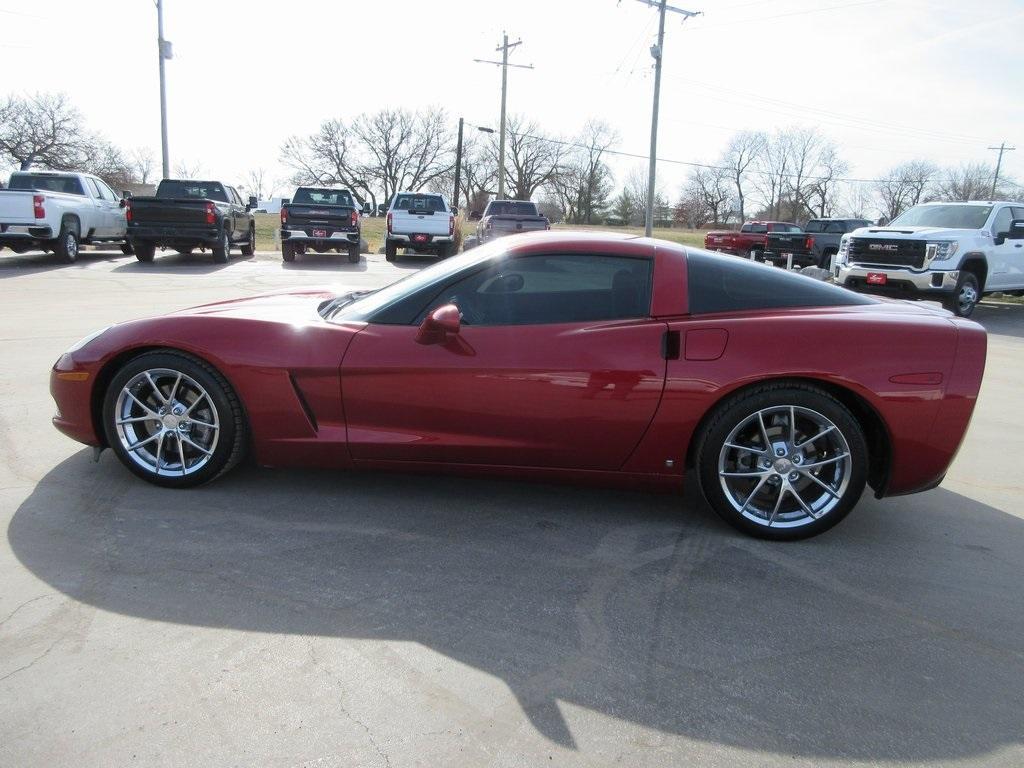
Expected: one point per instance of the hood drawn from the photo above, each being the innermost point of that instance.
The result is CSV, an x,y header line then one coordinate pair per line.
x,y
277,306
918,233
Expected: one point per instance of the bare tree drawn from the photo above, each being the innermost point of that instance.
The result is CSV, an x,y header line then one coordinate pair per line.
x,y
142,163
710,189
479,173
532,158
969,181
904,186
186,169
257,184
772,177
331,156
858,201
583,185
745,148
109,163
822,190
44,129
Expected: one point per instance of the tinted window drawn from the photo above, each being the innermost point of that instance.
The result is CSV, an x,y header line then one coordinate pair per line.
x,y
415,203
322,196
1002,221
567,288
727,284
754,228
105,192
1018,213
197,190
69,185
511,208
951,216
816,225
836,227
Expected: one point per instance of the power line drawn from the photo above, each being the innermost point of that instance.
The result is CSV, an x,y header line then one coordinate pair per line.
x,y
786,15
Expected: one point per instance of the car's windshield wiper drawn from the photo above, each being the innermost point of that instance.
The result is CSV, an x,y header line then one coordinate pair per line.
x,y
328,309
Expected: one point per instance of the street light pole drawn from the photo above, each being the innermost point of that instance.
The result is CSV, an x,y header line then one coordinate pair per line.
x,y
164,48
656,53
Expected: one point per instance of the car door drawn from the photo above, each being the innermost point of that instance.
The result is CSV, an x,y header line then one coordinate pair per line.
x,y
1014,255
238,218
116,223
102,221
556,364
1003,259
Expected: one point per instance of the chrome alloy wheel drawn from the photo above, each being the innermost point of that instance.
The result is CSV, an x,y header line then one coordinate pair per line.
x,y
166,422
967,297
785,466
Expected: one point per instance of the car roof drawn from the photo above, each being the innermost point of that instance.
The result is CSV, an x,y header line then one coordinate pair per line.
x,y
972,202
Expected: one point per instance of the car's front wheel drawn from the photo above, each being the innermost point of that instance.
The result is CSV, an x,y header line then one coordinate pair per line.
x,y
965,296
173,420
783,461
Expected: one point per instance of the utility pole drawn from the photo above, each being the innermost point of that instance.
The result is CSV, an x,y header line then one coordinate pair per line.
x,y
999,164
505,47
656,54
458,166
166,52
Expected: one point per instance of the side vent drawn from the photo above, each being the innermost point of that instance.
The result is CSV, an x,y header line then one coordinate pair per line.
x,y
305,405
670,345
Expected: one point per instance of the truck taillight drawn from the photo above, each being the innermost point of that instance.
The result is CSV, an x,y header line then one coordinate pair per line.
x,y
37,206
389,222
211,213
451,225
128,210
284,216
355,218
809,244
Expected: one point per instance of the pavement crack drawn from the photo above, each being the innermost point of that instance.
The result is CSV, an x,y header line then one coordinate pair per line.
x,y
10,615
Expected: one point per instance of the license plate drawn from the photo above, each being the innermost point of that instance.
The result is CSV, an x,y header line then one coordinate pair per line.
x,y
877,278
419,238
716,239
319,233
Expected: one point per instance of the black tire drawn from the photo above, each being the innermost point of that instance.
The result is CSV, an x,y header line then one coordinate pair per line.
x,y
222,250
288,252
444,250
232,437
126,248
390,251
807,399
823,262
67,244
144,251
965,296
353,254
249,248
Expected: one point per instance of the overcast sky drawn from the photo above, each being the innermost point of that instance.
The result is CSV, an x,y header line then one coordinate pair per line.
x,y
888,80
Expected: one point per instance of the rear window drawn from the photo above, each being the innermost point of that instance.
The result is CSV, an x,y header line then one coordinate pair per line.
x,y
815,225
69,185
434,203
511,208
198,190
323,197
728,284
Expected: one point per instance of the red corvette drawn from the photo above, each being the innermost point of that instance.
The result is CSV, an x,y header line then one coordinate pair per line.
x,y
550,355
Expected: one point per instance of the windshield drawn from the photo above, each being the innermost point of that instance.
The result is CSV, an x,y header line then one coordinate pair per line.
x,y
432,203
39,183
511,208
198,190
365,306
323,196
946,216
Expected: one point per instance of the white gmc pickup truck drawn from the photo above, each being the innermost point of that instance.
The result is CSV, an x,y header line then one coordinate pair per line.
x,y
59,211
949,252
419,222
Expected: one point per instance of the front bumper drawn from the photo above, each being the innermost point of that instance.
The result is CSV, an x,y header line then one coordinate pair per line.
x,y
71,387
899,281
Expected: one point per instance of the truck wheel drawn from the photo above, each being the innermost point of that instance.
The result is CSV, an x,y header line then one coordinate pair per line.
x,y
353,254
144,252
390,251
444,251
825,258
250,245
965,297
222,250
67,242
288,252
126,248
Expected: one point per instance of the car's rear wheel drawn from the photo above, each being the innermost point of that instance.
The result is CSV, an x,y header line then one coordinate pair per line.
x,y
390,251
126,248
353,254
966,296
173,420
144,251
783,461
67,242
222,250
287,252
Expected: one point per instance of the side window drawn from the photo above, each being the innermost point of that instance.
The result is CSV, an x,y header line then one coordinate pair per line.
x,y
106,192
94,188
747,228
565,288
836,227
233,196
1002,221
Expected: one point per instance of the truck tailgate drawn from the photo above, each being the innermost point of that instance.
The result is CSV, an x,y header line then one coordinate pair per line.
x,y
512,224
425,223
16,206
335,216
168,211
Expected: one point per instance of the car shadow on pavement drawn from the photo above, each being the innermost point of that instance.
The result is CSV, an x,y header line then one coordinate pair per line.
x,y
325,262
34,262
170,261
1002,318
898,635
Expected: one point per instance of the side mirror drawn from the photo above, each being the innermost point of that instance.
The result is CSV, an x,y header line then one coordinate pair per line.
x,y
253,202
366,210
286,201
126,194
438,324
1016,231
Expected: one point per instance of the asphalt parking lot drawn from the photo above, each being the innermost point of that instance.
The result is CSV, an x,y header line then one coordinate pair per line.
x,y
299,618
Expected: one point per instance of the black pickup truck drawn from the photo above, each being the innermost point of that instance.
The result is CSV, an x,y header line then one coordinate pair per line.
x,y
814,247
185,215
320,219
509,217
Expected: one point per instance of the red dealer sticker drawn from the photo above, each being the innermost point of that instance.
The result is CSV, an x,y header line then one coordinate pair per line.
x,y
877,278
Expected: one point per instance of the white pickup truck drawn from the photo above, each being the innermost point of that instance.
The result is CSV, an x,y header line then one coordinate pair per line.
x,y
60,211
420,222
949,252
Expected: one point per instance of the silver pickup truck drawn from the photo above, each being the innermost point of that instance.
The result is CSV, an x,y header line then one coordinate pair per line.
x,y
59,211
509,217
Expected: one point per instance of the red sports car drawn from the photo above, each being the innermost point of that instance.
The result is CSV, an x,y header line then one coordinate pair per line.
x,y
556,355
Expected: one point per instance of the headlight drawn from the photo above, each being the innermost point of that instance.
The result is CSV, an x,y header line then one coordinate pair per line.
x,y
844,249
92,336
941,250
